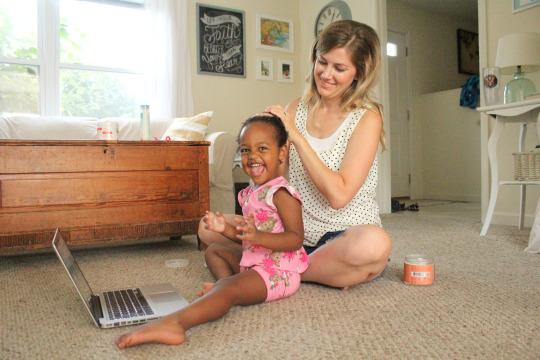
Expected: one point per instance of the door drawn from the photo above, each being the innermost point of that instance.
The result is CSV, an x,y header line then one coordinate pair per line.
x,y
399,114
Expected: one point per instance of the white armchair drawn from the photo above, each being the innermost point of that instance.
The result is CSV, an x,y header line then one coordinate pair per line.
x,y
221,156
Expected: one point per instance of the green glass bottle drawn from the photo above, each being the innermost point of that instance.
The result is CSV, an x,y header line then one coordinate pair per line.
x,y
518,88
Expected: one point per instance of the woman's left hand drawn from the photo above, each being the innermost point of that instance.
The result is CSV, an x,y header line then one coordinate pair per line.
x,y
286,118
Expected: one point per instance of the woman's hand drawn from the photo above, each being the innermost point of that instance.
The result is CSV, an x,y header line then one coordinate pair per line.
x,y
287,119
214,221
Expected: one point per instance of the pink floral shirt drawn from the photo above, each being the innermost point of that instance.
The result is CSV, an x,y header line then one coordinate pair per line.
x,y
259,202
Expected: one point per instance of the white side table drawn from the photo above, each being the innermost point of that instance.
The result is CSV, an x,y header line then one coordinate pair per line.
x,y
522,112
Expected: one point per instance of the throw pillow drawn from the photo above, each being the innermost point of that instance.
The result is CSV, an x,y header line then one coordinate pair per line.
x,y
188,128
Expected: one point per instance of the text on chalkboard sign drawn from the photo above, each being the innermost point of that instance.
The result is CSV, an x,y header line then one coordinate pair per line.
x,y
220,41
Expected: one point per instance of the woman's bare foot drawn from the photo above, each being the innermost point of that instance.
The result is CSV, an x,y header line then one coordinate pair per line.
x,y
206,287
165,331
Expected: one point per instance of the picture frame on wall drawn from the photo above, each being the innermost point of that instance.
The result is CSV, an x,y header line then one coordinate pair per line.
x,y
285,71
220,41
468,53
265,68
274,33
520,5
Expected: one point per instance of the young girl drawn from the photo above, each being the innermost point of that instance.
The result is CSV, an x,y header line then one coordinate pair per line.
x,y
272,257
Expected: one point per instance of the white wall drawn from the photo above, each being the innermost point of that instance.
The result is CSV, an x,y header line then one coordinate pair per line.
x,y
432,43
234,99
497,19
432,67
450,148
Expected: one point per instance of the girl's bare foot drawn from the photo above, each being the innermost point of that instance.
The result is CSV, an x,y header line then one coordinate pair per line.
x,y
165,331
206,287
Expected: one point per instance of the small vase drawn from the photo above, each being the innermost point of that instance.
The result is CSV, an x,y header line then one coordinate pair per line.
x,y
518,88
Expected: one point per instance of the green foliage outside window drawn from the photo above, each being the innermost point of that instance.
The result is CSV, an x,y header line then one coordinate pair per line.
x,y
83,93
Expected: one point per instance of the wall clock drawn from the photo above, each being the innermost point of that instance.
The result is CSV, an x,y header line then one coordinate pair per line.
x,y
335,10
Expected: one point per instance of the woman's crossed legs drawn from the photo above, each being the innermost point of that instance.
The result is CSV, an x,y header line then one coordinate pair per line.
x,y
357,256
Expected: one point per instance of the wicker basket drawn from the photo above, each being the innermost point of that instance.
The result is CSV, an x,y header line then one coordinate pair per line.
x,y
527,166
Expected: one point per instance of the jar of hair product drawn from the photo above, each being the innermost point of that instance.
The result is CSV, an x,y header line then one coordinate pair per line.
x,y
418,269
107,130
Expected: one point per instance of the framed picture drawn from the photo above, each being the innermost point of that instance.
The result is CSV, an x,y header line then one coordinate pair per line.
x,y
285,71
265,68
220,41
274,34
520,5
467,44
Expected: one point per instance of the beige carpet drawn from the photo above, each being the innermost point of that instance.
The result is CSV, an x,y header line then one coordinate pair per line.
x,y
485,303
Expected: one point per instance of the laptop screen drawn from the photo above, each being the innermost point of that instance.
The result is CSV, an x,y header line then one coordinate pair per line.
x,y
73,269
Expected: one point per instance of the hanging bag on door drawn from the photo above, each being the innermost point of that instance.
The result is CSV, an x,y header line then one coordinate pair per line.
x,y
470,93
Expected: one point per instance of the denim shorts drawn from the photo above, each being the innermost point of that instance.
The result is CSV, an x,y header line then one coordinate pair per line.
x,y
323,240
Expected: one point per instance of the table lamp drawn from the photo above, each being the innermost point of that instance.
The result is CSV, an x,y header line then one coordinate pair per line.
x,y
518,53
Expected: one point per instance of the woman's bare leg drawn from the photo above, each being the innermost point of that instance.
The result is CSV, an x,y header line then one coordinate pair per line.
x,y
245,288
355,257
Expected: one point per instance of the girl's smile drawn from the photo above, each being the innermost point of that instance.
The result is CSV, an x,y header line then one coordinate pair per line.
x,y
255,169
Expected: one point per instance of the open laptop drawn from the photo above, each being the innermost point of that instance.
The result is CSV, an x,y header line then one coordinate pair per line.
x,y
120,307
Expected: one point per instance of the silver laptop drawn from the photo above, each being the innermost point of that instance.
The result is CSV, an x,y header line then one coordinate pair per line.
x,y
120,307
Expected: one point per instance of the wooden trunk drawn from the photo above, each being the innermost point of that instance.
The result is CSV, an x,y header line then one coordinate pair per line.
x,y
98,191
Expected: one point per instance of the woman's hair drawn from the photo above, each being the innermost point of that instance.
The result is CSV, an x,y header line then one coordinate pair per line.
x,y
279,129
362,43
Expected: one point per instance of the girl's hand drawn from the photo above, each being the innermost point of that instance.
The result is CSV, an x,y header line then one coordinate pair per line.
x,y
214,221
247,230
287,120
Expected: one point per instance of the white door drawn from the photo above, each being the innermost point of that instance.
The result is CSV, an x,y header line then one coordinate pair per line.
x,y
399,114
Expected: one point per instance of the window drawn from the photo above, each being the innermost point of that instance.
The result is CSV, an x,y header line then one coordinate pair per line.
x,y
391,49
19,66
72,57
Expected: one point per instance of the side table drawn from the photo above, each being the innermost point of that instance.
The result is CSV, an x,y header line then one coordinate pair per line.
x,y
522,112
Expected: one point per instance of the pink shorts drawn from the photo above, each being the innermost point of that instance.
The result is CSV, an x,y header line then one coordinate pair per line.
x,y
279,284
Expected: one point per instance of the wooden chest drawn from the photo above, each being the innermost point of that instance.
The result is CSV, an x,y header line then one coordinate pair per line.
x,y
98,191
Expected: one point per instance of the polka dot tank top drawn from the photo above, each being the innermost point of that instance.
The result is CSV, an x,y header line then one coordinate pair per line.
x,y
319,218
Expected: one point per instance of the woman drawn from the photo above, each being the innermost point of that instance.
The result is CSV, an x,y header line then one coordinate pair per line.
x,y
334,132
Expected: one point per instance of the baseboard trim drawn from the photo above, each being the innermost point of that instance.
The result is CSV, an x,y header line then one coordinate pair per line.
x,y
452,197
511,219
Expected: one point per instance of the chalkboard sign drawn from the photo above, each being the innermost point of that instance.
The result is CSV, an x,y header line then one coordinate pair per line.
x,y
220,40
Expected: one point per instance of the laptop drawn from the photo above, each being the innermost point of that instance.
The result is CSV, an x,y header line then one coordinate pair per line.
x,y
119,307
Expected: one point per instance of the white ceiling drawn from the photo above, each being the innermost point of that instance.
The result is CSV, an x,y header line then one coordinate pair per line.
x,y
467,9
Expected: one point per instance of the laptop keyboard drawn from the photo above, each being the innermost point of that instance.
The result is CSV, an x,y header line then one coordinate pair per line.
x,y
123,304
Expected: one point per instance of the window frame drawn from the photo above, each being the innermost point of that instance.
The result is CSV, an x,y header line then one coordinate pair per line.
x,y
48,60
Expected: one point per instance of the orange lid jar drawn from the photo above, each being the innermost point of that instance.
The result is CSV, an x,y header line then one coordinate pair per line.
x,y
418,269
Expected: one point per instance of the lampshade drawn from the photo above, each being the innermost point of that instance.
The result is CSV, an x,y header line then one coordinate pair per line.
x,y
518,49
